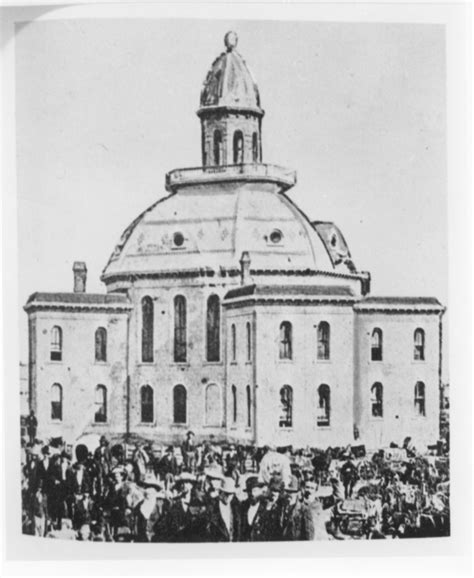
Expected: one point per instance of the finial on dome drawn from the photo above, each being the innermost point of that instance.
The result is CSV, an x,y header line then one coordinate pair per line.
x,y
230,40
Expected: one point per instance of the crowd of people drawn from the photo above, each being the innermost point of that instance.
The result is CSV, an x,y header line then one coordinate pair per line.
x,y
209,492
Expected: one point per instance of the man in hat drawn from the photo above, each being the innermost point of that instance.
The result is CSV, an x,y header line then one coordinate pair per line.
x,y
214,481
150,515
186,520
348,477
140,460
320,516
223,515
273,512
297,522
252,511
31,426
63,477
168,467
189,451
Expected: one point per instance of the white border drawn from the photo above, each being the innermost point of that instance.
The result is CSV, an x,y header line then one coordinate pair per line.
x,y
450,554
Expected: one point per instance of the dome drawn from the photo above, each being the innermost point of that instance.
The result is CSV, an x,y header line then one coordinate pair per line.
x,y
201,230
229,82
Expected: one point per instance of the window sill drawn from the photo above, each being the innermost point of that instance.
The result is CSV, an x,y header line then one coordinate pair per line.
x,y
55,421
418,361
180,425
208,426
249,363
103,363
284,428
53,362
217,363
326,427
286,361
146,424
373,418
145,363
100,423
376,360
323,361
249,429
180,364
233,363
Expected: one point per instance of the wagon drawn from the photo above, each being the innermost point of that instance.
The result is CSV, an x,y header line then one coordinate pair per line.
x,y
351,517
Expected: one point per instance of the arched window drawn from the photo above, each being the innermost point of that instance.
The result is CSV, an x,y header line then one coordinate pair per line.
x,y
233,342
249,406
217,147
101,344
324,405
238,147
147,329
377,345
255,147
377,400
286,348
100,415
56,402
179,328
323,340
249,342
146,404
234,404
56,343
213,329
420,398
179,404
213,405
286,406
419,343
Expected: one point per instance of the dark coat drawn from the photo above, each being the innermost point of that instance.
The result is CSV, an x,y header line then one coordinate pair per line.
x,y
83,513
152,528
216,528
85,485
272,521
298,523
256,531
186,526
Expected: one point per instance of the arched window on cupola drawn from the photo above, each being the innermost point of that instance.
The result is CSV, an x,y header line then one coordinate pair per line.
x,y
238,147
255,147
217,147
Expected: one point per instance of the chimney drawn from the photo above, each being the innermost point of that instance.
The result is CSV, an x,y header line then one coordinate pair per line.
x,y
80,276
245,268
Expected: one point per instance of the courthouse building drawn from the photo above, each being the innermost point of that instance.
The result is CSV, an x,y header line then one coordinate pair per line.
x,y
230,312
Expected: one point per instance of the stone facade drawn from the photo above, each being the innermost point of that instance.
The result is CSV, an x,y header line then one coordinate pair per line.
x,y
229,312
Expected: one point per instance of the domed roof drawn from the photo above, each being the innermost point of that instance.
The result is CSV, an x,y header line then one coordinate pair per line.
x,y
204,230
229,82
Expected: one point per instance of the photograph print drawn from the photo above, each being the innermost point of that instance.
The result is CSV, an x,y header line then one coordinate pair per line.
x,y
233,280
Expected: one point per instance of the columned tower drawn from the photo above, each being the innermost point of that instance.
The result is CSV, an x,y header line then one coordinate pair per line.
x,y
230,113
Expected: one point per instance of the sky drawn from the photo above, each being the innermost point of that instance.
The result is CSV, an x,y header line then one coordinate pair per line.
x,y
104,108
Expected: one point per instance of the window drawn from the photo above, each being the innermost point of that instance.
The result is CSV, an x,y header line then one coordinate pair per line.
x,y
420,398
249,342
377,345
217,147
178,239
286,349
179,329
238,147
249,406
255,147
276,236
377,400
213,329
324,405
100,415
56,402
179,404
101,344
419,342
286,406
323,340
56,343
213,405
234,404
147,329
146,404
233,343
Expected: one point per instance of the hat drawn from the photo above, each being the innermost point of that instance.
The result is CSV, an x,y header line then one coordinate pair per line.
x,y
186,477
103,439
228,487
64,454
45,450
190,433
276,485
214,472
293,486
253,482
151,481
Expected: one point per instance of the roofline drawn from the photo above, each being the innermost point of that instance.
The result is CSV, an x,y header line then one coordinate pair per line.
x,y
245,300
225,109
229,272
74,307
